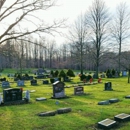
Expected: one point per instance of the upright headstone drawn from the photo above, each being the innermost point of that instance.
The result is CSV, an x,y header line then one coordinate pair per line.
x,y
12,94
124,73
78,90
27,95
1,99
5,84
33,82
45,82
108,86
20,83
58,89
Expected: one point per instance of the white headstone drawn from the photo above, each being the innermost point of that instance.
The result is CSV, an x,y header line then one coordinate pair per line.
x,y
27,95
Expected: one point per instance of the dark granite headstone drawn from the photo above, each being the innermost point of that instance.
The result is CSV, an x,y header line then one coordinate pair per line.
x,y
108,86
78,90
45,82
33,82
12,94
20,83
58,90
5,84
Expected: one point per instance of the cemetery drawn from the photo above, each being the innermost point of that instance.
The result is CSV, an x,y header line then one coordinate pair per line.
x,y
36,103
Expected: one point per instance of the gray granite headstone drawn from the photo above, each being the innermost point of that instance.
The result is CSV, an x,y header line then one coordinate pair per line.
x,y
122,117
78,90
106,124
5,84
20,83
58,90
27,95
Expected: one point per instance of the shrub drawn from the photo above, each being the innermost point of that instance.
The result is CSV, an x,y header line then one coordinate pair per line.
x,y
70,73
56,73
62,74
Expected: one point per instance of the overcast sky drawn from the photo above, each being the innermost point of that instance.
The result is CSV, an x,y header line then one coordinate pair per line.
x,y
71,9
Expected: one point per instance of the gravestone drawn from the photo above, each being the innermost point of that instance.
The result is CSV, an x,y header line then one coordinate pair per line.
x,y
108,86
58,90
27,95
45,82
20,83
12,94
122,117
124,73
79,90
5,84
33,82
102,75
106,124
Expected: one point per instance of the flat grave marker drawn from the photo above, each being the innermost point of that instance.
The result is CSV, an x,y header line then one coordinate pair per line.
x,y
106,124
122,117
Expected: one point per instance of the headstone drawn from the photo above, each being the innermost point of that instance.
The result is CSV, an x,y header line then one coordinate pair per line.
x,y
124,73
106,102
33,82
27,95
5,84
102,75
41,99
108,86
12,94
1,100
122,117
106,124
20,83
78,90
58,90
113,100
45,82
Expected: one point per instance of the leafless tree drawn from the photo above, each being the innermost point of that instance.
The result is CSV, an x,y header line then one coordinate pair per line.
x,y
78,37
26,12
97,18
1,3
120,29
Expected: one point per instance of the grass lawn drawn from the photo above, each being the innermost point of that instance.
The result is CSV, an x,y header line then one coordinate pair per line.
x,y
85,112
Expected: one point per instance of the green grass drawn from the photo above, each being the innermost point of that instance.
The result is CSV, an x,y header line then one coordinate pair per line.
x,y
85,112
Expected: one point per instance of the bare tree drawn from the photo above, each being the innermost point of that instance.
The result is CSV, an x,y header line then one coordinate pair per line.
x,y
1,3
97,18
78,36
120,29
26,10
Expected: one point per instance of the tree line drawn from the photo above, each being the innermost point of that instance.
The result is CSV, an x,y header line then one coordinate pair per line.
x,y
96,40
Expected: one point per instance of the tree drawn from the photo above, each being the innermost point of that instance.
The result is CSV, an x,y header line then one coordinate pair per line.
x,y
97,19
78,36
1,3
120,28
25,12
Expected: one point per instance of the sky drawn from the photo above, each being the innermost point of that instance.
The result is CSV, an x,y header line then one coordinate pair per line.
x,y
70,10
